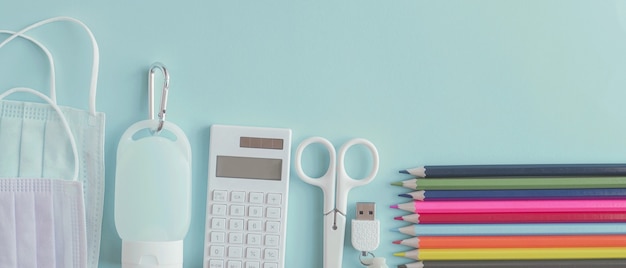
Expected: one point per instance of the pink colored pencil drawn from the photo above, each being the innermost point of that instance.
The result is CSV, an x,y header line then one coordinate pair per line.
x,y
512,206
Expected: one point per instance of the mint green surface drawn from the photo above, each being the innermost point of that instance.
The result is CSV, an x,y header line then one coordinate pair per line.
x,y
428,82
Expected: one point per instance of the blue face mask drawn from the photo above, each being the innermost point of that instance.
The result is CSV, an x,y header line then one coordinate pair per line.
x,y
30,135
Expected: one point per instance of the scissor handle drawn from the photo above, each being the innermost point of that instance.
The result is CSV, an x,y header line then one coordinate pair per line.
x,y
326,181
344,181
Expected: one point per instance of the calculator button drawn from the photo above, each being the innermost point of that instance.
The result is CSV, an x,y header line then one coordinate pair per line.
x,y
256,198
253,239
256,212
271,240
237,197
235,238
219,209
216,251
234,264
255,226
252,265
237,210
274,199
272,227
235,252
218,237
273,213
218,223
270,265
219,195
216,264
271,254
253,253
236,225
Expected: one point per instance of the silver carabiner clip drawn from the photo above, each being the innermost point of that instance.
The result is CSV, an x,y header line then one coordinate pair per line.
x,y
164,93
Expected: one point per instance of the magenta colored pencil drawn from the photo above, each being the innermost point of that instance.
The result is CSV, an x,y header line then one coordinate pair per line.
x,y
512,206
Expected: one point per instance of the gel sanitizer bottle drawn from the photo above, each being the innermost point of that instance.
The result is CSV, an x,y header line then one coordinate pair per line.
x,y
153,195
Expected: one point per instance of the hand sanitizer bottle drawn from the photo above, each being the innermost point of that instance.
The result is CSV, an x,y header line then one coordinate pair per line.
x,y
153,196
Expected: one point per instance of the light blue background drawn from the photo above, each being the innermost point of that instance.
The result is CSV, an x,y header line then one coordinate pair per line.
x,y
428,82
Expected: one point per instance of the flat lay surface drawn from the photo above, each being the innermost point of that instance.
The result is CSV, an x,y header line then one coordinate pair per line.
x,y
427,82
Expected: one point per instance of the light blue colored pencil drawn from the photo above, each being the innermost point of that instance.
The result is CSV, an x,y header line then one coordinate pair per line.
x,y
512,229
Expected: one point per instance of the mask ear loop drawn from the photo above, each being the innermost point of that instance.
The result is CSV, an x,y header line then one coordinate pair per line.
x,y
66,126
53,95
96,54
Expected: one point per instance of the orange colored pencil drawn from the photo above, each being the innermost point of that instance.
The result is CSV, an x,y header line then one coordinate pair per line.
x,y
542,241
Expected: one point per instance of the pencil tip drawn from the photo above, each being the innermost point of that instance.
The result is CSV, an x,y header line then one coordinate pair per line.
x,y
397,242
402,266
405,195
393,206
398,218
404,171
399,254
394,229
398,183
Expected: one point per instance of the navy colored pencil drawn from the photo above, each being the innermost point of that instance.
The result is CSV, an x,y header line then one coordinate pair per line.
x,y
433,195
517,170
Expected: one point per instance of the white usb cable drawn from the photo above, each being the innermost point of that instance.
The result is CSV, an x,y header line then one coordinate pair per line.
x,y
366,234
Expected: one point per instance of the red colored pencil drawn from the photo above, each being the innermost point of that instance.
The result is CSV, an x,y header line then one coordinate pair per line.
x,y
525,217
534,241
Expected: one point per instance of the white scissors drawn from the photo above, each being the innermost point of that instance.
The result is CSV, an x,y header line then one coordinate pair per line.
x,y
335,184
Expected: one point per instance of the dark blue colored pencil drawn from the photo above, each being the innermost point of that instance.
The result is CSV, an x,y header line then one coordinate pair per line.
x,y
451,171
432,195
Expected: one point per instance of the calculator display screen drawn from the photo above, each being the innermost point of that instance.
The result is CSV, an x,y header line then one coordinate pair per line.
x,y
249,167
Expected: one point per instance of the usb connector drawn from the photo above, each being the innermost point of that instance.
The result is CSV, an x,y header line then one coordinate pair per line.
x,y
365,228
366,211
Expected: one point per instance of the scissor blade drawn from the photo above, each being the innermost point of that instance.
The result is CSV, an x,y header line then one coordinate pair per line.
x,y
334,234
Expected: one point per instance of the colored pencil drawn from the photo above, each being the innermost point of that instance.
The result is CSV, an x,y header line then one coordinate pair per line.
x,y
517,170
512,229
515,253
512,206
524,194
531,241
529,217
513,183
598,263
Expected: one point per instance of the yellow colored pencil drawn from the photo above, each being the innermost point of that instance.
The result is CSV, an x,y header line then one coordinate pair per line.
x,y
515,253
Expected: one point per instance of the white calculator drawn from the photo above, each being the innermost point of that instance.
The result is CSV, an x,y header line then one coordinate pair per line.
x,y
246,211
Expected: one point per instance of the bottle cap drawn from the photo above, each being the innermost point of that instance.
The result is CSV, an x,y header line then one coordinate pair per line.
x,y
152,254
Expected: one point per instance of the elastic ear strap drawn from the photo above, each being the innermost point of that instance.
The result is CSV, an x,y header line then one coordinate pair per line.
x,y
53,95
96,54
66,126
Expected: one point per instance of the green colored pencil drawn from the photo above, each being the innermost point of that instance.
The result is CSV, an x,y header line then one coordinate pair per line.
x,y
513,183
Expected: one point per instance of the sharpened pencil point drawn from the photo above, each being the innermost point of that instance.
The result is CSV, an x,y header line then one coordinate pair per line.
x,y
398,218
402,266
399,254
404,172
393,206
398,183
397,242
405,195
394,229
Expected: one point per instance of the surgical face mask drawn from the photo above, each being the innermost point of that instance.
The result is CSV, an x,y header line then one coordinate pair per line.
x,y
42,220
44,157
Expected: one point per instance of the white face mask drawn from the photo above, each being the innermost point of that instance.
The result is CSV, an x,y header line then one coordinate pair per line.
x,y
44,157
42,221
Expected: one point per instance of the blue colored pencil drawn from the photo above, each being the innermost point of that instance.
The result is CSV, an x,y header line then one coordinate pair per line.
x,y
445,171
434,195
512,229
